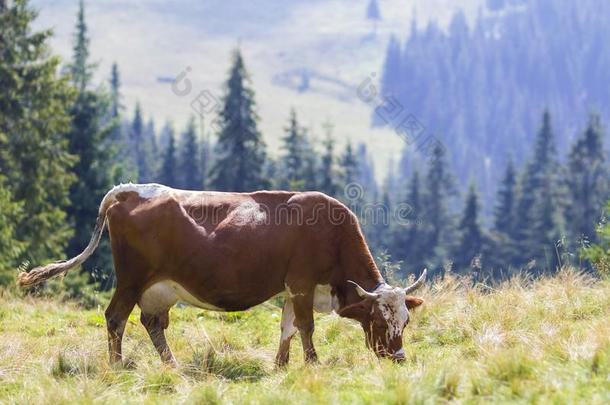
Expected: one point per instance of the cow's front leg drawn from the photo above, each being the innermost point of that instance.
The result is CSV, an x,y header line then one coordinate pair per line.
x,y
288,331
303,311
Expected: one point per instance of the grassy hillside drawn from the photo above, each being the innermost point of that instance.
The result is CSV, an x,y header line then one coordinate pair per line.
x,y
545,341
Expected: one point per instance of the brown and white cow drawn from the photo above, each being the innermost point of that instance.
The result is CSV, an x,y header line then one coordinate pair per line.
x,y
232,251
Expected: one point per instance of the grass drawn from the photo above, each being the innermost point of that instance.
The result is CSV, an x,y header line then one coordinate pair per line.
x,y
543,341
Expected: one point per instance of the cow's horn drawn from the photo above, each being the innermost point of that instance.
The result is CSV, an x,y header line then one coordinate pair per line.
x,y
418,283
362,292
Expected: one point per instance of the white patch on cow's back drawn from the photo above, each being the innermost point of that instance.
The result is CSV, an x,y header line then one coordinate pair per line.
x,y
249,213
391,303
163,295
144,190
323,300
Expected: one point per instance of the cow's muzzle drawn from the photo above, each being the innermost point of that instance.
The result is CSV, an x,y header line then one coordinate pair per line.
x,y
399,356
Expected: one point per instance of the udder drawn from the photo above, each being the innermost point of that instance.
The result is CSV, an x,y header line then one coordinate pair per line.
x,y
161,296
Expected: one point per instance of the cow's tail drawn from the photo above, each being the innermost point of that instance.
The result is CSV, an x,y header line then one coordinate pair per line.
x,y
43,273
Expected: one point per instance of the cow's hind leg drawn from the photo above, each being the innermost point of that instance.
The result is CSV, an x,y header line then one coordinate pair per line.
x,y
118,311
155,326
288,331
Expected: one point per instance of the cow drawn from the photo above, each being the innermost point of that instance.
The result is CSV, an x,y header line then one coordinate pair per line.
x,y
231,251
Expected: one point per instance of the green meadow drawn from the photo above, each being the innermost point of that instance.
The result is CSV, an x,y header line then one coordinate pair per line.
x,y
542,341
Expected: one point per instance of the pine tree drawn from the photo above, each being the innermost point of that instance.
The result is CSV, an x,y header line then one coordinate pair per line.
x,y
377,223
294,159
439,228
169,174
10,216
587,182
504,212
80,68
205,155
115,92
190,165
391,182
89,141
373,14
538,226
468,252
139,147
240,148
328,183
311,164
502,240
391,67
349,165
407,233
34,155
123,170
372,11
353,192
151,148
366,173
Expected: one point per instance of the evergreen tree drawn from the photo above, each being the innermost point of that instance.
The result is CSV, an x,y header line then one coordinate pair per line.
x,y
504,212
407,234
169,174
349,165
439,227
391,183
366,173
310,167
372,11
373,14
205,156
80,68
503,233
538,226
587,180
294,159
88,138
151,149
391,67
468,252
353,192
11,248
34,157
328,183
240,147
123,171
115,92
139,147
377,223
190,165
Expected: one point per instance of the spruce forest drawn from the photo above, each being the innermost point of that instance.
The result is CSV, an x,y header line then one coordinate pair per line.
x,y
500,193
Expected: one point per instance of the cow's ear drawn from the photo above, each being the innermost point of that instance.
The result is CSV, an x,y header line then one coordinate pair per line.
x,y
356,311
413,302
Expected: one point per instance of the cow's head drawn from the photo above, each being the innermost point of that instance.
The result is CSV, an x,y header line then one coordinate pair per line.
x,y
383,314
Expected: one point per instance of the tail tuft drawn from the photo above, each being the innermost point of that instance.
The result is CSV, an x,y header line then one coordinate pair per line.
x,y
43,273
40,274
